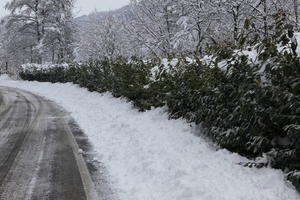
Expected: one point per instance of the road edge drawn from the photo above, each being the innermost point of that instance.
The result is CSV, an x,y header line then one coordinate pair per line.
x,y
85,175
87,182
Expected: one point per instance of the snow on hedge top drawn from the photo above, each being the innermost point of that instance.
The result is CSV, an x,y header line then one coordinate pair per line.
x,y
34,66
297,36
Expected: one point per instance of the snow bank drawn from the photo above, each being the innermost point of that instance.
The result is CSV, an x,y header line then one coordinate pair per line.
x,y
149,157
5,77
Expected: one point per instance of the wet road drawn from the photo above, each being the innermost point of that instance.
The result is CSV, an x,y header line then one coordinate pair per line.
x,y
39,158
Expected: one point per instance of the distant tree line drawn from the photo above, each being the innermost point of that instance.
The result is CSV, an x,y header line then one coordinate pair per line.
x,y
165,28
40,31
37,31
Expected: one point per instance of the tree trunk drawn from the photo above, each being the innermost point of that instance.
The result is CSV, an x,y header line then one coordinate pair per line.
x,y
235,12
198,47
31,54
168,24
265,17
38,28
6,67
296,12
53,54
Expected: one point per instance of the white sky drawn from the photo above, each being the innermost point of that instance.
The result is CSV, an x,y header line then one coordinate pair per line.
x,y
84,7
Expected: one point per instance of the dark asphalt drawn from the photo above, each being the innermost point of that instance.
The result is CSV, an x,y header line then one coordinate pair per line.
x,y
39,159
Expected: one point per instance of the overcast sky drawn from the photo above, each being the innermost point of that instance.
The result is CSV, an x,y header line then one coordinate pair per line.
x,y
84,7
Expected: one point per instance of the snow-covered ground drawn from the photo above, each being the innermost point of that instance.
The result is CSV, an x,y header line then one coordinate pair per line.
x,y
149,157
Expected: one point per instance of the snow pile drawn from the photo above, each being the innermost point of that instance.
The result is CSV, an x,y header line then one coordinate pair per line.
x,y
149,157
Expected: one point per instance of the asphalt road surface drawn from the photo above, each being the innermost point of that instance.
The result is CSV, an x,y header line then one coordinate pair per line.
x,y
39,156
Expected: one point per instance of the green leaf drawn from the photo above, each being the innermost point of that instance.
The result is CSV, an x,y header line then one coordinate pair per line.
x,y
294,47
290,33
284,39
247,24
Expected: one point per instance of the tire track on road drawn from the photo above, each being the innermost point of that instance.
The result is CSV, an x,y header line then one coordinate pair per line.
x,y
38,160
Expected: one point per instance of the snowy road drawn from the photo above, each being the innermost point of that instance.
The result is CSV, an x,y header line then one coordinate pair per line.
x,y
38,157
